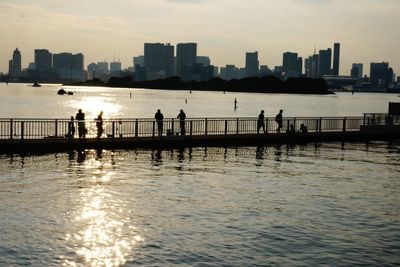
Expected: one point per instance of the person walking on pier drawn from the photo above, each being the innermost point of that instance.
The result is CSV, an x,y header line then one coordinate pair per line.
x,y
182,117
159,118
279,120
260,122
99,124
80,117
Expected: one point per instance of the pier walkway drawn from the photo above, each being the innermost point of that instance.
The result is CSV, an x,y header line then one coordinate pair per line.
x,y
44,135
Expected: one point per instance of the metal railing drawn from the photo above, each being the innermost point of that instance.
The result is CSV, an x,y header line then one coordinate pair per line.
x,y
135,128
381,119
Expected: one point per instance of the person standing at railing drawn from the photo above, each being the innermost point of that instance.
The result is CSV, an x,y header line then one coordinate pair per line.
x,y
182,117
260,122
279,120
80,117
99,124
71,128
159,118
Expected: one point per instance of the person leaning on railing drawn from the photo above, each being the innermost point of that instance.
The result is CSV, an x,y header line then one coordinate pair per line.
x,y
80,117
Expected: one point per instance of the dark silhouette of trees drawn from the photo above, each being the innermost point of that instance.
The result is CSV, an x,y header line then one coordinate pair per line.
x,y
266,84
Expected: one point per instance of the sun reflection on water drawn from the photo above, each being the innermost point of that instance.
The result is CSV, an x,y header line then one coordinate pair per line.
x,y
105,234
92,105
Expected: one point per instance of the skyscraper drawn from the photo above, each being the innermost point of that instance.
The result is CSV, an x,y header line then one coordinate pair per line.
x,y
158,60
16,64
252,64
186,55
43,59
357,70
292,63
381,74
324,62
336,59
115,66
68,61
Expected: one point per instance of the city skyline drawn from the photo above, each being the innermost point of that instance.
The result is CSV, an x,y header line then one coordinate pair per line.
x,y
225,31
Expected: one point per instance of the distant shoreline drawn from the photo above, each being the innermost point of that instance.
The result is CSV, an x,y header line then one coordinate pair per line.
x,y
267,84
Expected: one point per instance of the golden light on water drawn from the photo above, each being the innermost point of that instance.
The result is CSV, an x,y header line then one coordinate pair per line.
x,y
105,234
92,105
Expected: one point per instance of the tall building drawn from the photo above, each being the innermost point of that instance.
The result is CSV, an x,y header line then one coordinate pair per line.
x,y
68,61
186,55
139,60
336,59
357,70
292,64
381,74
158,60
324,62
102,68
43,60
16,64
69,66
203,60
311,66
252,64
115,66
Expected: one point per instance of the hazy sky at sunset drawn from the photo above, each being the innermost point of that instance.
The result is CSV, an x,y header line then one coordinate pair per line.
x,y
224,29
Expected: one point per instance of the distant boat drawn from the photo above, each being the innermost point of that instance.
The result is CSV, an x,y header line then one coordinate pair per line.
x,y
36,84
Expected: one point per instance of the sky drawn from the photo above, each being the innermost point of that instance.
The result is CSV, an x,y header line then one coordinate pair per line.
x,y
368,30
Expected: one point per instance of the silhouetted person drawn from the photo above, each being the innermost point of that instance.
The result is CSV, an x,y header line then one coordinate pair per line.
x,y
235,104
159,118
260,122
303,128
279,120
182,117
99,124
71,128
80,117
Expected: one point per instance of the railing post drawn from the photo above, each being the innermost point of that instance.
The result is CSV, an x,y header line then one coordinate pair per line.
x,y
226,127
317,126
320,124
172,127
344,124
294,122
136,128
237,125
191,127
288,122
11,129
113,129
56,128
154,128
22,130
364,119
206,127
266,125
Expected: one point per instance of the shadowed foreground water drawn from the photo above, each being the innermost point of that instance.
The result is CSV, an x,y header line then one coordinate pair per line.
x,y
325,204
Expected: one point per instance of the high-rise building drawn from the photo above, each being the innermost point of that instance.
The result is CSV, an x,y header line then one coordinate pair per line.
x,y
139,60
158,60
43,60
324,62
16,64
357,70
311,66
115,66
252,64
102,67
336,59
68,61
203,60
186,55
292,64
69,66
381,74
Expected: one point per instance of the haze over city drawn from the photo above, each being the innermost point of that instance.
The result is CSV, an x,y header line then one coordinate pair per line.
x,y
224,30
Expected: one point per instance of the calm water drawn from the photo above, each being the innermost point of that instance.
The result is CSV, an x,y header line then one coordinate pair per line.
x,y
327,204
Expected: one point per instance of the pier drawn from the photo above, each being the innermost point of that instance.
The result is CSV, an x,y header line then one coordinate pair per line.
x,y
23,135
